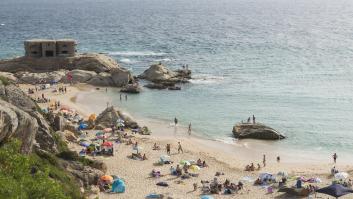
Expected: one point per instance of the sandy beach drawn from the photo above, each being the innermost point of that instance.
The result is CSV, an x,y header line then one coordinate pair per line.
x,y
229,159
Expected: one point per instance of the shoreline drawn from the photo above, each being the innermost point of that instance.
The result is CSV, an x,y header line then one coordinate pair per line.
x,y
246,150
229,159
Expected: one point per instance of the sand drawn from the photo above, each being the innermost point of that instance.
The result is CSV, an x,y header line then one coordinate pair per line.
x,y
228,159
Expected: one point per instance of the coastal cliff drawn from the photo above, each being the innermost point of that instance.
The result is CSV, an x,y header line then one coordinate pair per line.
x,y
27,134
95,69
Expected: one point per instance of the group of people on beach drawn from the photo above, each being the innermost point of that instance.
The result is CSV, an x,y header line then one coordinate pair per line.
x,y
249,120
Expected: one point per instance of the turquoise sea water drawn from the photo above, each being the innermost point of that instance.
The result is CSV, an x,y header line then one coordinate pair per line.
x,y
289,62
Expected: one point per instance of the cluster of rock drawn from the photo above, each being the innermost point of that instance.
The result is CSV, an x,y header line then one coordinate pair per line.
x,y
256,131
110,115
94,69
21,118
164,78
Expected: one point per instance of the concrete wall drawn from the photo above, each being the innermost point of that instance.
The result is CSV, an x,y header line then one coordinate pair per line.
x,y
50,48
65,48
33,49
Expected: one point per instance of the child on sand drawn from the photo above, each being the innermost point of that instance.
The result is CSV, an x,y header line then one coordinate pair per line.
x,y
168,149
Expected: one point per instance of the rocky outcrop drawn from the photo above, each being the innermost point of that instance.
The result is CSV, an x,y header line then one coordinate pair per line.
x,y
16,123
95,69
110,115
158,73
131,88
86,174
22,120
256,131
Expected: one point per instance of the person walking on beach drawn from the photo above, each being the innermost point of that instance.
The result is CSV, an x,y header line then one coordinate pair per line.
x,y
120,97
168,149
180,148
175,121
264,160
253,119
248,119
125,97
189,129
334,157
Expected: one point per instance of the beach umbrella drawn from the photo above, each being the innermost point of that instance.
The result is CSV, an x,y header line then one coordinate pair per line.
x,y
107,130
182,162
102,137
83,126
335,190
107,178
195,168
341,175
92,117
136,150
107,144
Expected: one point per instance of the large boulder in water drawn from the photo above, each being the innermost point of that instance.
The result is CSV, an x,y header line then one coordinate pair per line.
x,y
131,88
256,131
158,73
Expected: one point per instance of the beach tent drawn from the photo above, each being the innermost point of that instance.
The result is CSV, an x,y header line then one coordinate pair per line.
x,y
82,126
335,190
341,175
84,143
118,186
106,178
164,158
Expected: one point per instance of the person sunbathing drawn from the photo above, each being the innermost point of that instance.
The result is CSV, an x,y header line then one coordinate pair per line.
x,y
226,184
199,162
247,168
144,157
252,167
156,147
129,142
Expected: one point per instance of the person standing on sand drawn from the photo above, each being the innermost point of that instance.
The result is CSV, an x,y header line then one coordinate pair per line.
x,y
180,148
253,119
168,149
264,160
189,129
175,121
125,97
120,97
248,119
334,157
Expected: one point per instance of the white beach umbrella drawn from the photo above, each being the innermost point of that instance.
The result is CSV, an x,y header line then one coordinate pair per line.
x,y
341,175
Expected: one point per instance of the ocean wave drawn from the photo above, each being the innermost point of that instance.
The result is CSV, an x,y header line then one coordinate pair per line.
x,y
163,60
137,53
226,140
127,61
206,79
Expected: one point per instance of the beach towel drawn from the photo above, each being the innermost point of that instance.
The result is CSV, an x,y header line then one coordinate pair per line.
x,y
154,195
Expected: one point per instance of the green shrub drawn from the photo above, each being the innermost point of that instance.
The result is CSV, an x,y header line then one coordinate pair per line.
x,y
30,176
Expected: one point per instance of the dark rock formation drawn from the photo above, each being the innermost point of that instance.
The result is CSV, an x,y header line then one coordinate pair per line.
x,y
110,116
256,131
160,74
131,88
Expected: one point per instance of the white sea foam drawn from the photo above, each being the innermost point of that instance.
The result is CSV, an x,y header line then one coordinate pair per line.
x,y
206,79
163,60
137,53
226,140
2,24
127,61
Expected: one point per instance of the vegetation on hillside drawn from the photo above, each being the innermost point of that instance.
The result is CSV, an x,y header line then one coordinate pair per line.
x,y
33,176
